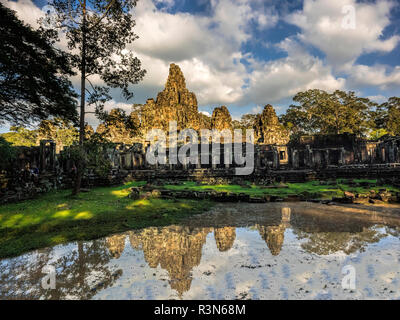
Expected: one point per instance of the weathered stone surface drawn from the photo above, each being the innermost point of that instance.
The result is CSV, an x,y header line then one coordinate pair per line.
x,y
348,194
134,193
221,119
224,238
174,103
116,245
268,130
273,236
176,249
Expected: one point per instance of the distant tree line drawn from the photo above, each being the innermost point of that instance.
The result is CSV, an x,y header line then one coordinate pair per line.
x,y
318,111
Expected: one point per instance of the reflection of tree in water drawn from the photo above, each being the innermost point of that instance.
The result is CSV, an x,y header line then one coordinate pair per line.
x,y
327,233
393,231
79,274
324,243
176,249
224,238
14,286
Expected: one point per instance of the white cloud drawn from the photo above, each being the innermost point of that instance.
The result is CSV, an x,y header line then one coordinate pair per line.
x,y
208,48
206,113
378,98
256,109
320,22
26,10
282,78
377,75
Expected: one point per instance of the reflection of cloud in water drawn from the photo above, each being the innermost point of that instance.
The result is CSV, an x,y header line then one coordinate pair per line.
x,y
285,252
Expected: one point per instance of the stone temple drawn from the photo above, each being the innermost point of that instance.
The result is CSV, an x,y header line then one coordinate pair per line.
x,y
275,158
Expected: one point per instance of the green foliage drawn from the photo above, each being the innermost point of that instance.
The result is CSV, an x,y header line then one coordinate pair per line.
x,y
7,154
247,121
33,74
20,136
92,155
118,127
377,134
58,130
96,155
328,113
54,218
314,188
390,116
97,32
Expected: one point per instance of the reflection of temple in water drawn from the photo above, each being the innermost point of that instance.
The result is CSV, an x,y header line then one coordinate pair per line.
x,y
224,238
116,245
86,269
176,249
274,235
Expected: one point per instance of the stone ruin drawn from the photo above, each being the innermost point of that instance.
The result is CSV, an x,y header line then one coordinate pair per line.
x,y
39,169
175,102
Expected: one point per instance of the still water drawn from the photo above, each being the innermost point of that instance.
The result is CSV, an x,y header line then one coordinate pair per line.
x,y
235,251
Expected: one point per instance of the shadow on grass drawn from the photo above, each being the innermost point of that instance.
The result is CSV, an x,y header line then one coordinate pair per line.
x,y
59,218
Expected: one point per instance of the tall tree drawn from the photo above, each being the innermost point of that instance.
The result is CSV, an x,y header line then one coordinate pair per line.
x,y
118,127
33,75
329,113
390,116
97,33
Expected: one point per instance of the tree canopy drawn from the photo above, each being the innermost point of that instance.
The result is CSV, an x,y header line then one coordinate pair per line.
x,y
118,127
390,116
33,75
329,113
97,33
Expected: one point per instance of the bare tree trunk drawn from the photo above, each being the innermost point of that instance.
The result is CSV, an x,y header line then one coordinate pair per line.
x,y
80,165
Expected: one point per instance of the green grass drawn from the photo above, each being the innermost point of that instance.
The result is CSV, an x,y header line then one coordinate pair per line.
x,y
312,188
56,217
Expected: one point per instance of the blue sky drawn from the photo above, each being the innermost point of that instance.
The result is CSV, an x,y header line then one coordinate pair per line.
x,y
247,53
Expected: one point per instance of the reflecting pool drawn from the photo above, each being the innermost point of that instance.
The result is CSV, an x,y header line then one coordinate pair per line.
x,y
234,251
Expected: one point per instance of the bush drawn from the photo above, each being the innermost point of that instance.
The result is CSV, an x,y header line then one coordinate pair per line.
x,y
7,154
92,155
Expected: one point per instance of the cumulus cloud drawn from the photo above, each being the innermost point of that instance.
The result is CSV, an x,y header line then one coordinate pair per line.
x,y
321,24
26,11
378,98
256,109
209,49
377,75
206,113
282,78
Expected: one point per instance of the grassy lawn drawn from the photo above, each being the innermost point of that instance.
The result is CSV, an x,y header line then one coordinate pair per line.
x,y
312,188
56,217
